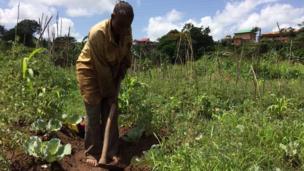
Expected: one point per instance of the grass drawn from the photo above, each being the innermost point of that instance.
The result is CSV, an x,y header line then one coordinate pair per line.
x,y
73,103
206,116
241,134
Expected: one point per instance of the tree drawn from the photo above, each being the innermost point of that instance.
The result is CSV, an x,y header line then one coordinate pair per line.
x,y
190,42
2,30
9,35
301,25
65,51
201,40
25,30
168,45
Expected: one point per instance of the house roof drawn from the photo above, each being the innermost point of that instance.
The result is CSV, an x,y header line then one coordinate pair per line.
x,y
244,31
278,34
271,34
143,40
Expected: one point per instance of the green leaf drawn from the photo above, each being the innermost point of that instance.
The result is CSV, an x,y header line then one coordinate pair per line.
x,y
33,146
53,146
54,125
38,125
24,67
31,72
283,147
64,150
49,151
67,149
64,116
36,51
50,158
73,119
134,134
27,59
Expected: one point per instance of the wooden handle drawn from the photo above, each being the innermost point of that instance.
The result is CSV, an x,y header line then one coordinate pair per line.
x,y
106,138
103,159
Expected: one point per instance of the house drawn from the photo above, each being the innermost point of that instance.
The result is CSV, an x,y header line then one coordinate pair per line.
x,y
284,35
143,41
275,36
245,35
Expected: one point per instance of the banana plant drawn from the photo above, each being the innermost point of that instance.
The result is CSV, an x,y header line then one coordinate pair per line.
x,y
49,151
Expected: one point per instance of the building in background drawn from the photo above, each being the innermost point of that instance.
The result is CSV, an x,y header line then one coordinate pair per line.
x,y
143,41
275,36
284,35
247,35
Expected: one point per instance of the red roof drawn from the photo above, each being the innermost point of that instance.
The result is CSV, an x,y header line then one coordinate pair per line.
x,y
274,34
143,40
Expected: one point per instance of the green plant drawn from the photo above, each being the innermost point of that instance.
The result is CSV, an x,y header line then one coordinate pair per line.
x,y
128,94
41,125
4,163
134,134
279,108
26,60
54,124
204,106
291,153
48,151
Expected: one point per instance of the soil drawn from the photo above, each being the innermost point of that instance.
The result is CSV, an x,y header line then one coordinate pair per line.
x,y
74,162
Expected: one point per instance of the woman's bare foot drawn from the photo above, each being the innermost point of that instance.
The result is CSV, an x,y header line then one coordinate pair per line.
x,y
90,160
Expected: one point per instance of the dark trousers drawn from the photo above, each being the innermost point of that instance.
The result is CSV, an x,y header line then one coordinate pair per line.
x,y
97,116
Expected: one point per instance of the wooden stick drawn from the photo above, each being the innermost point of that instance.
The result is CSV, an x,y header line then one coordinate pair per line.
x,y
255,81
106,139
103,159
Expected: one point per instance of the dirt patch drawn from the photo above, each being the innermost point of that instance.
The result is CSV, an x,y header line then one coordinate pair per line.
x,y
74,162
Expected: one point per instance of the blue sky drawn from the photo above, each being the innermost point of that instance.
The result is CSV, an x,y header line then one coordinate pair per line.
x,y
154,18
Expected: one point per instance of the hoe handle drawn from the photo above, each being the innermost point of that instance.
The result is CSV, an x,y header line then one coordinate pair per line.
x,y
103,159
106,139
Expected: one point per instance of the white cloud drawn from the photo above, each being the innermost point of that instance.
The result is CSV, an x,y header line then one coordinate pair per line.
x,y
236,15
77,12
33,9
285,14
159,26
229,19
74,8
65,27
8,16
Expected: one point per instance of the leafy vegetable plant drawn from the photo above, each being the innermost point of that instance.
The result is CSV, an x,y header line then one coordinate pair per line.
x,y
54,125
48,151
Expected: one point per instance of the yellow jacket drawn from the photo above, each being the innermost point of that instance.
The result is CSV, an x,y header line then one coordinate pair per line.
x,y
99,63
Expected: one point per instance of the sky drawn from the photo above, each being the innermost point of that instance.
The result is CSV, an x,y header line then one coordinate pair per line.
x,y
154,18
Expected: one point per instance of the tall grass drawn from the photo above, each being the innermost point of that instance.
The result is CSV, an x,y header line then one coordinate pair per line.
x,y
214,122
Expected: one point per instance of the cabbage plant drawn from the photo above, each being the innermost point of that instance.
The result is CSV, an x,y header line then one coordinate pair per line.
x,y
49,151
54,125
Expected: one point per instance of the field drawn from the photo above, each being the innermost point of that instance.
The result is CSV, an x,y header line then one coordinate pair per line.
x,y
225,111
